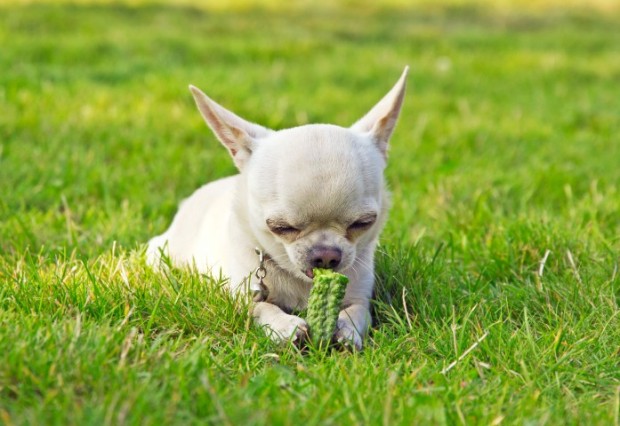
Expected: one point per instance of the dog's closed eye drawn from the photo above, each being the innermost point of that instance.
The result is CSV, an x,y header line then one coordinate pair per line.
x,y
281,228
363,223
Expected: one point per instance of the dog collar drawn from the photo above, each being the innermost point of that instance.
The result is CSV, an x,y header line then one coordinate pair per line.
x,y
262,292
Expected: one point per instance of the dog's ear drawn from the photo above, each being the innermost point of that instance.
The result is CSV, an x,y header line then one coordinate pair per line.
x,y
380,121
238,135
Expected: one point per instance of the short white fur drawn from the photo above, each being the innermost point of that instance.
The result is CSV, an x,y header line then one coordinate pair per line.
x,y
324,181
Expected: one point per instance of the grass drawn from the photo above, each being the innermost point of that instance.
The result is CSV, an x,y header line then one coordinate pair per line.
x,y
507,149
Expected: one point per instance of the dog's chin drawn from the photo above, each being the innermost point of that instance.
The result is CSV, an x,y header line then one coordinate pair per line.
x,y
306,274
292,268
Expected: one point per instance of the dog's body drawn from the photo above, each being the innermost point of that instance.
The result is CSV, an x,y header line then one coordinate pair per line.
x,y
310,196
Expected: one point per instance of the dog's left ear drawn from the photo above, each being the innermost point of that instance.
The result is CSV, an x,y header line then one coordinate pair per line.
x,y
237,134
380,121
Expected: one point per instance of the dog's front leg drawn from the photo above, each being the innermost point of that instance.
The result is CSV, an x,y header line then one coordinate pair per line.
x,y
280,325
353,321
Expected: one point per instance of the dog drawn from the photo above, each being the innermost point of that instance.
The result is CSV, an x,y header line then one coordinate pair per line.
x,y
306,197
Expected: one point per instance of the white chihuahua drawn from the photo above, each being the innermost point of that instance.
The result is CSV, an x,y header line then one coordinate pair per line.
x,y
306,197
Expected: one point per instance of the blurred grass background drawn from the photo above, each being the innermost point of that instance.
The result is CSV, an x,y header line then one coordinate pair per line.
x,y
500,103
507,147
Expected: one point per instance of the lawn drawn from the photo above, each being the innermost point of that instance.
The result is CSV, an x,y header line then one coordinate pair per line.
x,y
498,289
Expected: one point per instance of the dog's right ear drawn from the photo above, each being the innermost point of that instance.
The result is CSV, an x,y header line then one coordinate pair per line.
x,y
238,135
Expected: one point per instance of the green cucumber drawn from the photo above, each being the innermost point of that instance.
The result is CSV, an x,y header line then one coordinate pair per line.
x,y
324,303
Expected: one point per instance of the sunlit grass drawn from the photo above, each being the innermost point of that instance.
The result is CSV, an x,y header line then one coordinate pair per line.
x,y
506,154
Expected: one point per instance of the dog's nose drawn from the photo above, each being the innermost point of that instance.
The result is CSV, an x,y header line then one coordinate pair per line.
x,y
325,257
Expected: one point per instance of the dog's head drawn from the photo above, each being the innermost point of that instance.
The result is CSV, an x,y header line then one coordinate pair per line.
x,y
313,195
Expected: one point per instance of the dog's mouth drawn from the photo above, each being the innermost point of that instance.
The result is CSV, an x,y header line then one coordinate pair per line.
x,y
309,273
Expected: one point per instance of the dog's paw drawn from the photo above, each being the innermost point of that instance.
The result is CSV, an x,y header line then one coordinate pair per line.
x,y
289,328
347,336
